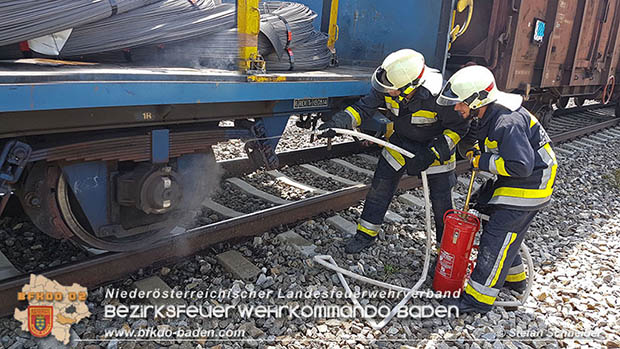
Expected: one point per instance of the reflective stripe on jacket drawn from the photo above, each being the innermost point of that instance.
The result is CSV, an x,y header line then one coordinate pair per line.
x,y
397,161
518,150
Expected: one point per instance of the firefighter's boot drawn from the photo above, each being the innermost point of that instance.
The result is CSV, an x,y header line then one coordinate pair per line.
x,y
518,286
359,242
464,306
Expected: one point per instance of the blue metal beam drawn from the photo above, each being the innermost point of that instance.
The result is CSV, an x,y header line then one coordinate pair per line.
x,y
275,126
160,146
29,97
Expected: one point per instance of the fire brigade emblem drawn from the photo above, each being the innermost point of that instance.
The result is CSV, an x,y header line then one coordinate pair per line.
x,y
40,320
52,308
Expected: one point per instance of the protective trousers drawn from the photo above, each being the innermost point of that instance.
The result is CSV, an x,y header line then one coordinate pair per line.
x,y
498,257
384,184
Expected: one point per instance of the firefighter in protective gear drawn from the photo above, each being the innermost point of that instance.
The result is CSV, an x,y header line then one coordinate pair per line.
x,y
514,146
407,87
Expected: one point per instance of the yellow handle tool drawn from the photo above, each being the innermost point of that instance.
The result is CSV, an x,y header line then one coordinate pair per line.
x,y
469,190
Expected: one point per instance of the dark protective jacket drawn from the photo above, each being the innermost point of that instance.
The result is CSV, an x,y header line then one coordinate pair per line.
x,y
420,120
518,150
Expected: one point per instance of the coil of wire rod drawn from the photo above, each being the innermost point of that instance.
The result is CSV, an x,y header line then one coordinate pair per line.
x,y
182,33
28,19
284,24
288,25
158,23
311,54
288,40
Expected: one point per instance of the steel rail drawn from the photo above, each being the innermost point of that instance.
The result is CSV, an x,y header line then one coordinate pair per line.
x,y
238,167
570,135
109,267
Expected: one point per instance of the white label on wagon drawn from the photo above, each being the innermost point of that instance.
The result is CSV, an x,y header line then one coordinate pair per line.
x,y
303,103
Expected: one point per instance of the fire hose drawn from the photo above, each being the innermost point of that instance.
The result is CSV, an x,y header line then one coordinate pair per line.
x,y
329,262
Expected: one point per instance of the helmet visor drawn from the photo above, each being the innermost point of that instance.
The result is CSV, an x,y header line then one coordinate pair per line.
x,y
447,96
380,82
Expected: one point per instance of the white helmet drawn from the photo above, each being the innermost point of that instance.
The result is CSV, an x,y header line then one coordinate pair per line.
x,y
399,70
475,86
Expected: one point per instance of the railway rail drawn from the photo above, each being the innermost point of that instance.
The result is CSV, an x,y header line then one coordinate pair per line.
x,y
567,125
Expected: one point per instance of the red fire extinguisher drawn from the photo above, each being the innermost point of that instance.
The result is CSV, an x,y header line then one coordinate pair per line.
x,y
460,228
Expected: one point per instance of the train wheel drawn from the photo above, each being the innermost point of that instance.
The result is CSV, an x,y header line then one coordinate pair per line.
x,y
37,194
78,223
562,102
54,199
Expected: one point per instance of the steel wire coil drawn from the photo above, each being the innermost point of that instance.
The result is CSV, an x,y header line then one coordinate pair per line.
x,y
277,19
311,54
158,23
179,33
28,19
220,50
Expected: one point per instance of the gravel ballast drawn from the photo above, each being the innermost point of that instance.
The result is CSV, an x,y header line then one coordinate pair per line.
x,y
238,200
269,184
31,251
363,163
304,176
343,172
293,138
574,244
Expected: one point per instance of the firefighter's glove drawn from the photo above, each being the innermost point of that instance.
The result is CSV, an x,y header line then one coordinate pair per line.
x,y
438,150
473,155
475,161
339,120
440,147
422,160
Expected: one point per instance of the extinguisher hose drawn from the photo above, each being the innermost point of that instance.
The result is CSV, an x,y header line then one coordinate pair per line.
x,y
329,262
375,140
525,252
